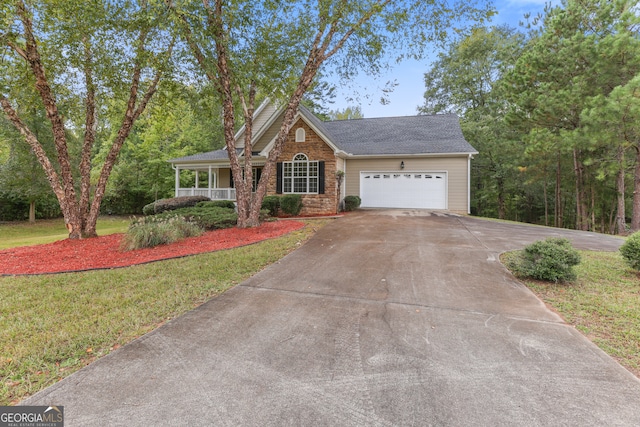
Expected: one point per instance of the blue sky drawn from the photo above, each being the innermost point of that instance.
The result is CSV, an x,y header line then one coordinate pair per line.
x,y
408,94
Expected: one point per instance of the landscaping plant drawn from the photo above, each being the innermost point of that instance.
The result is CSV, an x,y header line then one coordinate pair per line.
x,y
351,203
291,204
630,250
551,259
147,232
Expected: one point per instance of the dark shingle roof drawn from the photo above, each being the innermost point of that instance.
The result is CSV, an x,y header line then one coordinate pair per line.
x,y
430,134
203,157
438,133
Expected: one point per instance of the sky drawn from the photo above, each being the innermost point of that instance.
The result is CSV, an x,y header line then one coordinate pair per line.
x,y
408,94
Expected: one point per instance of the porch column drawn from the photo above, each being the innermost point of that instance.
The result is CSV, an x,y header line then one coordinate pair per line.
x,y
197,178
177,180
210,181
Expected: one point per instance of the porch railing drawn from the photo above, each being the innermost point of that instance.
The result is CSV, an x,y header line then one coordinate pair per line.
x,y
212,193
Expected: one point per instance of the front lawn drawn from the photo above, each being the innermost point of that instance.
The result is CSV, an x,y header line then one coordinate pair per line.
x,y
53,325
22,233
603,303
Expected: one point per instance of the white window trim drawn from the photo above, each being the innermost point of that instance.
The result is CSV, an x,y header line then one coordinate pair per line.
x,y
301,135
289,181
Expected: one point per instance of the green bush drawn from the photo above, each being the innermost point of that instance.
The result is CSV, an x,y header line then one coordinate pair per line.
x,y
630,250
351,203
174,203
551,260
271,204
291,204
209,218
149,209
229,204
151,231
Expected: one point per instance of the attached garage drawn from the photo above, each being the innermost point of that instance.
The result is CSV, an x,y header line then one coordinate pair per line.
x,y
400,189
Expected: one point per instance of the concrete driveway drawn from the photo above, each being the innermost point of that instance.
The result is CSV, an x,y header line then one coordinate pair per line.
x,y
384,318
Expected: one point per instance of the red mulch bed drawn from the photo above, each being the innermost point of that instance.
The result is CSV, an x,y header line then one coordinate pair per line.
x,y
103,252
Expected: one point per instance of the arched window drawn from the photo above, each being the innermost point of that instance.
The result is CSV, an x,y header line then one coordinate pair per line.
x,y
300,135
300,175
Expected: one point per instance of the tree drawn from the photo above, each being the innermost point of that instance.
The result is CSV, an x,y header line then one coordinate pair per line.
x,y
278,48
583,50
466,80
73,56
180,120
21,177
348,113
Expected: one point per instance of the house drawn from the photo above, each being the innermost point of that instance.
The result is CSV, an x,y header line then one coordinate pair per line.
x,y
391,162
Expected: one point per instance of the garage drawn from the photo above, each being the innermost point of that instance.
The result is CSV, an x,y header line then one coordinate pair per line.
x,y
422,190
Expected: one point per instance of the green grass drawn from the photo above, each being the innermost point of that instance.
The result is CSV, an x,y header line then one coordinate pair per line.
x,y
53,325
22,233
603,303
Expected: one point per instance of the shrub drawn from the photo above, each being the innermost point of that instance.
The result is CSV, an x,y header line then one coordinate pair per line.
x,y
229,204
291,204
351,203
551,260
271,204
209,218
151,231
174,203
149,209
630,250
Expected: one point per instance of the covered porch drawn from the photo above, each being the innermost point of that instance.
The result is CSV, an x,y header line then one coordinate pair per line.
x,y
206,182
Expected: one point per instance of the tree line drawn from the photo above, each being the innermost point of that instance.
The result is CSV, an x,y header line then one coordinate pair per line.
x,y
79,77
97,100
553,110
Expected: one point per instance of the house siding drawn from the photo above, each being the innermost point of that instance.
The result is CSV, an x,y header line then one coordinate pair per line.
x,y
269,134
315,149
259,121
456,168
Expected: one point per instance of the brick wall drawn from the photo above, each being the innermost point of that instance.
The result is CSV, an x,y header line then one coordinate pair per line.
x,y
315,149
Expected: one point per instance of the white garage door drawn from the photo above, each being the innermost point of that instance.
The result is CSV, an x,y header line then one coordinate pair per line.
x,y
425,190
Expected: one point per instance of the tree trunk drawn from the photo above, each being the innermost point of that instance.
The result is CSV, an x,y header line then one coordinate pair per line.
x,y
558,208
32,211
621,225
635,218
582,220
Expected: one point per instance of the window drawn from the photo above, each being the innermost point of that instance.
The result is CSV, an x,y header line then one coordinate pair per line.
x,y
300,135
300,175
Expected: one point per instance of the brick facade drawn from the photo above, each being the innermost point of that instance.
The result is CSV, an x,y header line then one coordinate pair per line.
x,y
315,149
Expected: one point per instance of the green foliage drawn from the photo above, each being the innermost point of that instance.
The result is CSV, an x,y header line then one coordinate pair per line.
x,y
151,231
208,217
149,209
291,204
630,250
351,203
271,204
174,203
229,204
551,260
14,206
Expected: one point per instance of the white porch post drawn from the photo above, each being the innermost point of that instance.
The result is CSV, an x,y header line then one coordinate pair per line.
x,y
197,178
210,181
177,180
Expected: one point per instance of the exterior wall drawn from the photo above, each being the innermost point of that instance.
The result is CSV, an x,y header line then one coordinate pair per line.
x,y
224,178
456,168
258,122
269,134
315,149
